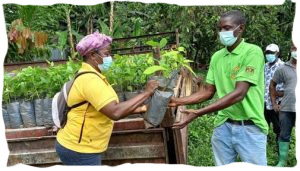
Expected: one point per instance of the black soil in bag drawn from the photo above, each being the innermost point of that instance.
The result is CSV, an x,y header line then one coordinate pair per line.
x,y
13,110
157,107
27,114
38,110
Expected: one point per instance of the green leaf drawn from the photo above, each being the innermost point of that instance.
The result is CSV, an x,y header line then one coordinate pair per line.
x,y
163,42
153,69
152,43
188,61
104,28
190,69
137,28
62,39
181,49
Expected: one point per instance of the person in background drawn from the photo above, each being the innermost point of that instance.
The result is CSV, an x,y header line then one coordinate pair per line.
x,y
89,127
273,63
287,75
236,73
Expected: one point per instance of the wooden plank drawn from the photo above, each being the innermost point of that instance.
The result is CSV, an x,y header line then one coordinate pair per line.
x,y
129,124
26,132
181,135
129,145
143,36
113,153
123,124
170,113
19,66
8,67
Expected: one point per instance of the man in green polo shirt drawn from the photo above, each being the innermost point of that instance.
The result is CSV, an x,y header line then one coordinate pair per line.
x,y
236,74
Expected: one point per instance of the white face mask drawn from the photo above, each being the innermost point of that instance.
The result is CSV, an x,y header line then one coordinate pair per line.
x,y
227,38
107,62
294,54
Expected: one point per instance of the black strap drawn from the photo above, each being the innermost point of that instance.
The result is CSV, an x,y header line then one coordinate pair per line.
x,y
84,72
81,103
81,131
77,75
78,104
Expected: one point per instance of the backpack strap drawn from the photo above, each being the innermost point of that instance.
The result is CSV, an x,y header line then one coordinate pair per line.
x,y
85,72
81,103
81,131
77,75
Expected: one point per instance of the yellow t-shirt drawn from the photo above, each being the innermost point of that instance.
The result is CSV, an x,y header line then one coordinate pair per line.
x,y
97,127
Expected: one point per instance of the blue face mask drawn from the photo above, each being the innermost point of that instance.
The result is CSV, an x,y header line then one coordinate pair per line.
x,y
107,62
227,37
294,54
271,58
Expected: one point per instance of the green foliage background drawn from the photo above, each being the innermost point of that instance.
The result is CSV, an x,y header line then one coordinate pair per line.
x,y
196,24
198,34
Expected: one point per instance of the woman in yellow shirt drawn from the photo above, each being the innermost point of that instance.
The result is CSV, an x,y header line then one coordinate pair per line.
x,y
88,129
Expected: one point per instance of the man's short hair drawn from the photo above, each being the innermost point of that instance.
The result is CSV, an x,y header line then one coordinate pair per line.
x,y
237,16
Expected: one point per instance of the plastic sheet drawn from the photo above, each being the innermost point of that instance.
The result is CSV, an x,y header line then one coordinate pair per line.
x,y
27,114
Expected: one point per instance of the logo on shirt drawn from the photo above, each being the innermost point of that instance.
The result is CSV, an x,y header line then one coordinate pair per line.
x,y
234,72
250,70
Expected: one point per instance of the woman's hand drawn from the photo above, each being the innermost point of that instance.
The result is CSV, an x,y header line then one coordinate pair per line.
x,y
151,86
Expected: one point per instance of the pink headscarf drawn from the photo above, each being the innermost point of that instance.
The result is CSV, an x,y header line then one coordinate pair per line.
x,y
92,42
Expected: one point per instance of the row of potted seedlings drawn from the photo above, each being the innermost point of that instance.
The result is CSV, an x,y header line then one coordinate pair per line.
x,y
27,94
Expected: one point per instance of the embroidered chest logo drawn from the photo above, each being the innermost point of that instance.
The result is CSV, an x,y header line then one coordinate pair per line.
x,y
235,70
250,70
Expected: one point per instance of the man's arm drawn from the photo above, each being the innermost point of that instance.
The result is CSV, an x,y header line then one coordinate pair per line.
x,y
240,91
272,90
200,96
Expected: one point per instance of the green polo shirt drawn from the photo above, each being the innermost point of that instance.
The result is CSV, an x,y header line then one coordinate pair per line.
x,y
244,63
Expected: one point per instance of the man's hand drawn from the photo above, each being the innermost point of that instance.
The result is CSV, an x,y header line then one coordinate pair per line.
x,y
276,108
188,116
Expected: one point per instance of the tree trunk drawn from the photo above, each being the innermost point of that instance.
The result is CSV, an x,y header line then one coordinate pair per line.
x,y
111,18
71,42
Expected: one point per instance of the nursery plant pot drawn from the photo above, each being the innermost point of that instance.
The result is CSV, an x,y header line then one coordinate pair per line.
x,y
13,110
129,95
47,113
121,96
165,83
157,107
27,113
57,54
5,117
38,110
